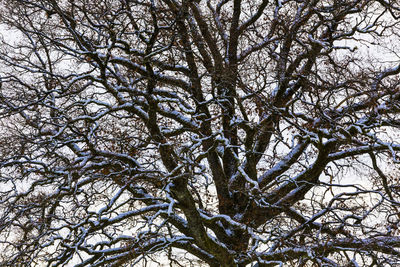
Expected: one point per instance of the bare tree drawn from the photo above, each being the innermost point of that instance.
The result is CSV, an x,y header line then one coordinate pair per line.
x,y
220,133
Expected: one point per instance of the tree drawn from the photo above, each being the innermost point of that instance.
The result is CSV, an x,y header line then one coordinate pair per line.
x,y
220,133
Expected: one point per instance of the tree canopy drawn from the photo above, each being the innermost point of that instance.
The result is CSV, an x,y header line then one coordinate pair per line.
x,y
208,132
